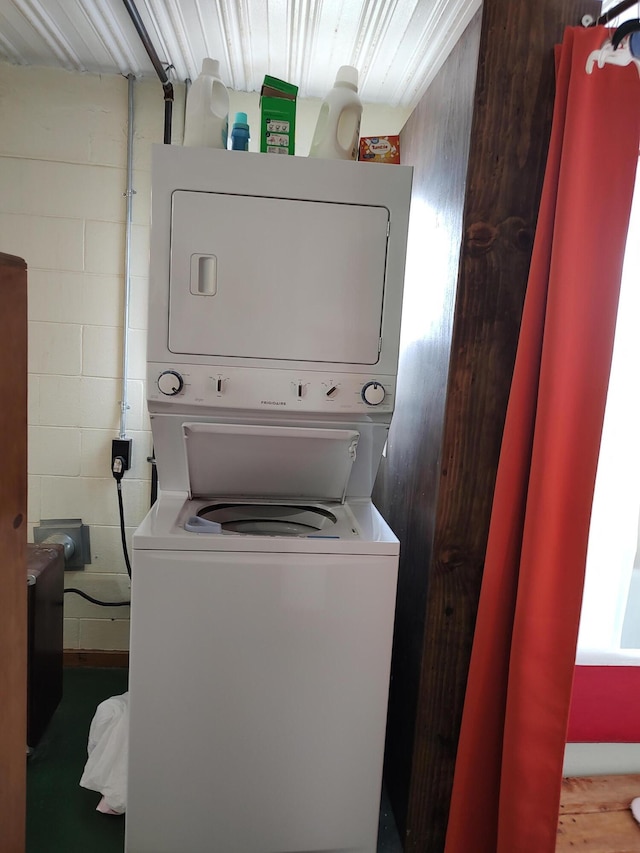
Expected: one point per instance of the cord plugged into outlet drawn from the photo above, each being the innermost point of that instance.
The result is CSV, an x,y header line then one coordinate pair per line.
x,y
121,449
121,462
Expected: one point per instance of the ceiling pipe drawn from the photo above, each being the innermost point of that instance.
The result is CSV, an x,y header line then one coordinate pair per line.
x,y
160,71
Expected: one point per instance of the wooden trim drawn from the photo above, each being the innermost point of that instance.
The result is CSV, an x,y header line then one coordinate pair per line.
x,y
95,658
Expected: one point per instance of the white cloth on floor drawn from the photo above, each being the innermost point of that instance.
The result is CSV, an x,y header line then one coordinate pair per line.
x,y
108,746
635,808
103,806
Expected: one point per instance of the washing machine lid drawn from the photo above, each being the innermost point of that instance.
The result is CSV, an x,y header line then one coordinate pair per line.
x,y
246,460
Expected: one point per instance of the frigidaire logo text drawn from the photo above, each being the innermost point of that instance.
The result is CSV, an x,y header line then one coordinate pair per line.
x,y
273,403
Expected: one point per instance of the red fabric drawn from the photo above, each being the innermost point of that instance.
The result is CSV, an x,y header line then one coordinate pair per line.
x,y
605,705
509,766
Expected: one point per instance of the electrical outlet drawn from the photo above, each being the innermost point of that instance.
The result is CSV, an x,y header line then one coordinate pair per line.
x,y
121,447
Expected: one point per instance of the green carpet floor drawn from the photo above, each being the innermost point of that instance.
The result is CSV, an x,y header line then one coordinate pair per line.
x,y
61,816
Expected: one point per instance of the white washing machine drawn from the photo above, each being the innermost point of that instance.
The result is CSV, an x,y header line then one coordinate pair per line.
x,y
264,579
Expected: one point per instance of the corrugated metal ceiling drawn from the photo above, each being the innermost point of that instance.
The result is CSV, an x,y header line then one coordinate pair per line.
x,y
397,45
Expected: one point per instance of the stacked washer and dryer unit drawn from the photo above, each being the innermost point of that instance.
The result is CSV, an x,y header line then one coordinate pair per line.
x,y
264,579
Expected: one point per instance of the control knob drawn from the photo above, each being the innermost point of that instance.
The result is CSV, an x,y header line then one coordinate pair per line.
x,y
373,393
170,383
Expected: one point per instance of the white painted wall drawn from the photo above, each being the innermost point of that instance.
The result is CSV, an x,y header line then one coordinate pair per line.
x,y
62,208
598,759
631,626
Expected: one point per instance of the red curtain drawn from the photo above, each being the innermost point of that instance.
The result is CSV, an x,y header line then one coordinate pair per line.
x,y
509,765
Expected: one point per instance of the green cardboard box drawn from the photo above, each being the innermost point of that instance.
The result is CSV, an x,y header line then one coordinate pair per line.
x,y
278,116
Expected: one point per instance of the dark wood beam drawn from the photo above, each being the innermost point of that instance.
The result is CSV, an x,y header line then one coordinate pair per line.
x,y
437,483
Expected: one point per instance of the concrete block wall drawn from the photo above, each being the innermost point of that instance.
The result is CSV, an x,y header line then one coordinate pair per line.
x,y
62,207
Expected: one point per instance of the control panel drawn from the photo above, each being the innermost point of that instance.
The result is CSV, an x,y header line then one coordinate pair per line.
x,y
202,386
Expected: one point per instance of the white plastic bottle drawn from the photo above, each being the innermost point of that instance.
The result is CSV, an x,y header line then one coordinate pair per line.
x,y
337,132
206,121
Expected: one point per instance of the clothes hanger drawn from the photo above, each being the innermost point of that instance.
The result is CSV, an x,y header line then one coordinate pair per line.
x,y
609,55
631,29
623,48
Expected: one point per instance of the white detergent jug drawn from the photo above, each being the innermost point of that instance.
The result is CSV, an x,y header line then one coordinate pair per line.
x,y
206,121
337,132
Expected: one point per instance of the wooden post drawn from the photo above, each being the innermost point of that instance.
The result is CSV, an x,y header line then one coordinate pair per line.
x,y
487,116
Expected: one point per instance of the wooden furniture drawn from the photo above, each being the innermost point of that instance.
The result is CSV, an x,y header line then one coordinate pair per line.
x,y
13,543
595,815
45,604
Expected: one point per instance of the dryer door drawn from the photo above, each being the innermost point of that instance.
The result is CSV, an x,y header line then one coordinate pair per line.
x,y
273,278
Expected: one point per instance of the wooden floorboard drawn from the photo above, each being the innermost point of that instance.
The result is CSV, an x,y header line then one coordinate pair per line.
x,y
599,793
607,832
595,816
95,658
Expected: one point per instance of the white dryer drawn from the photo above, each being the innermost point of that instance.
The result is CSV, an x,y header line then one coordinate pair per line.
x,y
264,579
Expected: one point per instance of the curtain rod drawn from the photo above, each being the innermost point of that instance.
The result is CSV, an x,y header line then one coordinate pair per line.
x,y
160,71
616,10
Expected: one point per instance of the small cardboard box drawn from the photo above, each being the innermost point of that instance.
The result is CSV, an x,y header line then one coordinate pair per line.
x,y
380,149
278,116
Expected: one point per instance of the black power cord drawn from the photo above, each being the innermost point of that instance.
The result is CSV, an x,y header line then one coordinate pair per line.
x,y
117,470
118,473
97,600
